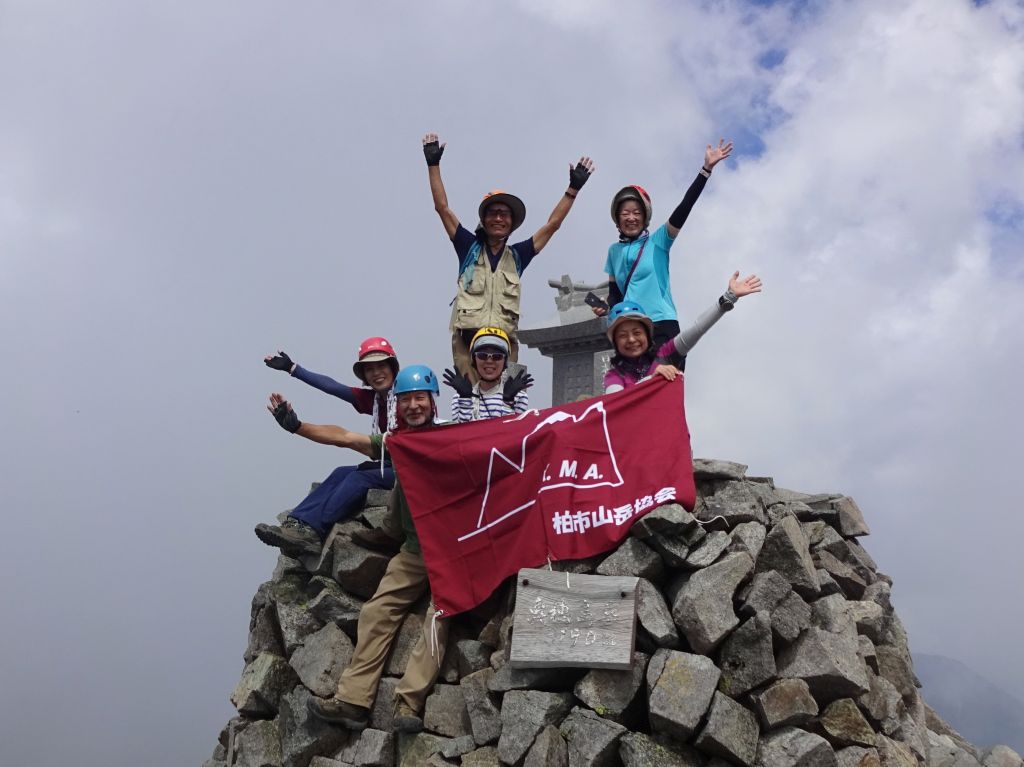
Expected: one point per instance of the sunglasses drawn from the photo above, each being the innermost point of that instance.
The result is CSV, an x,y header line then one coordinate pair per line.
x,y
489,356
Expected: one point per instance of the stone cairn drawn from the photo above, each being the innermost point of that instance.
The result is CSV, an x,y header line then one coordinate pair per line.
x,y
765,636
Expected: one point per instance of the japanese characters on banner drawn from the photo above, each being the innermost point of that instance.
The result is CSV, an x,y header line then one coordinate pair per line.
x,y
491,497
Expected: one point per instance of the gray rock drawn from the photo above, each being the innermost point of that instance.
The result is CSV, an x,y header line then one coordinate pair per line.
x,y
377,497
852,584
866,650
869,618
258,745
851,520
637,749
790,617
883,704
703,608
377,517
853,554
333,605
421,750
855,756
827,584
263,682
680,688
471,656
1001,756
710,468
894,665
611,693
654,616
358,570
670,520
731,731
402,647
748,537
708,550
372,748
880,593
633,558
445,712
383,711
828,662
785,550
524,713
484,715
303,736
320,661
790,747
456,747
767,590
482,757
911,734
296,623
746,658
894,754
264,634
549,750
323,761
943,752
844,724
736,502
286,566
672,550
820,534
507,678
591,740
786,702
831,613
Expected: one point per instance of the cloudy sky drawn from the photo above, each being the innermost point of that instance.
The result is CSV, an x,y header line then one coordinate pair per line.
x,y
187,187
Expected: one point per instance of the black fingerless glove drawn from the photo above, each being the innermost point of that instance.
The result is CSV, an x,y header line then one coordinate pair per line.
x,y
280,361
462,385
287,418
433,150
514,385
578,176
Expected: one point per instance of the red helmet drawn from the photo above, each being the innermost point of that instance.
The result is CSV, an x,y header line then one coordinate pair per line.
x,y
375,349
632,192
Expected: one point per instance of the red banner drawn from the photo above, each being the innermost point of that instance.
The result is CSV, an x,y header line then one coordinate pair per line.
x,y
491,497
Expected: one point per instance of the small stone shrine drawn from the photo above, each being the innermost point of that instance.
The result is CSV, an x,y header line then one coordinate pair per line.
x,y
577,346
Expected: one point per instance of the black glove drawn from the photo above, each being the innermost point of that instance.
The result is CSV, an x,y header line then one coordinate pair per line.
x,y
287,418
462,385
433,150
515,384
578,176
280,361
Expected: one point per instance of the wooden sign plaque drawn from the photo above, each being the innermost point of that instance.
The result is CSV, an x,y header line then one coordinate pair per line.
x,y
590,623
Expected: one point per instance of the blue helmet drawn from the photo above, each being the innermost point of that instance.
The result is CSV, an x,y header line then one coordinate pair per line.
x,y
416,378
628,310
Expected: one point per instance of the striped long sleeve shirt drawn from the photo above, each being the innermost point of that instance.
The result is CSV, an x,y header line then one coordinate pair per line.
x,y
482,406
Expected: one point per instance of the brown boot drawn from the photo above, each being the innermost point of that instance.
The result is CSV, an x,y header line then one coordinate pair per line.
x,y
333,710
405,719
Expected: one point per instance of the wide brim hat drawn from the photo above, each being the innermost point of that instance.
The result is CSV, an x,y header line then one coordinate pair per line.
x,y
517,206
375,349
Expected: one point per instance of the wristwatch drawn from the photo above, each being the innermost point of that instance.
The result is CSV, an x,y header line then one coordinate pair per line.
x,y
725,304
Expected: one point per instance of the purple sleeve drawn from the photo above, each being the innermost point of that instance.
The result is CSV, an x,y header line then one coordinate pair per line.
x,y
360,399
614,377
462,240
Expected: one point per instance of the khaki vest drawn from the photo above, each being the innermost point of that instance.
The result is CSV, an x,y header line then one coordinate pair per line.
x,y
491,298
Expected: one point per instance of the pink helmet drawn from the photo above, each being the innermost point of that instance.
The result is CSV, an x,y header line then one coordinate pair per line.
x,y
376,349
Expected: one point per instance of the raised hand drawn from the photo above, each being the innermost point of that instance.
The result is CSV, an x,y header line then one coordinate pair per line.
x,y
578,176
715,154
280,408
515,384
746,286
279,361
432,149
462,385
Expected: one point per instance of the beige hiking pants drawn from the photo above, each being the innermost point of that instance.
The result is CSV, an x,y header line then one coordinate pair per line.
x,y
404,582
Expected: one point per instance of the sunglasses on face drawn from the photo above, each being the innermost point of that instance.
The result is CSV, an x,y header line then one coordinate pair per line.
x,y
489,356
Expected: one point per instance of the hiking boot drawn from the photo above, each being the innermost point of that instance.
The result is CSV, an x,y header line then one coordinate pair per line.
x,y
405,719
376,538
333,710
293,537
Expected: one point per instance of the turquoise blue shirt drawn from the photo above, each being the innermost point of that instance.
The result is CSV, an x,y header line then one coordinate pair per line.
x,y
649,285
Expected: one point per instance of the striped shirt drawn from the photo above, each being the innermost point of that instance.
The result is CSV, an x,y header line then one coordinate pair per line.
x,y
480,407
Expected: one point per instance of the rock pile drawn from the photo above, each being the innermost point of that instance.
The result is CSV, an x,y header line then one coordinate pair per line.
x,y
765,636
